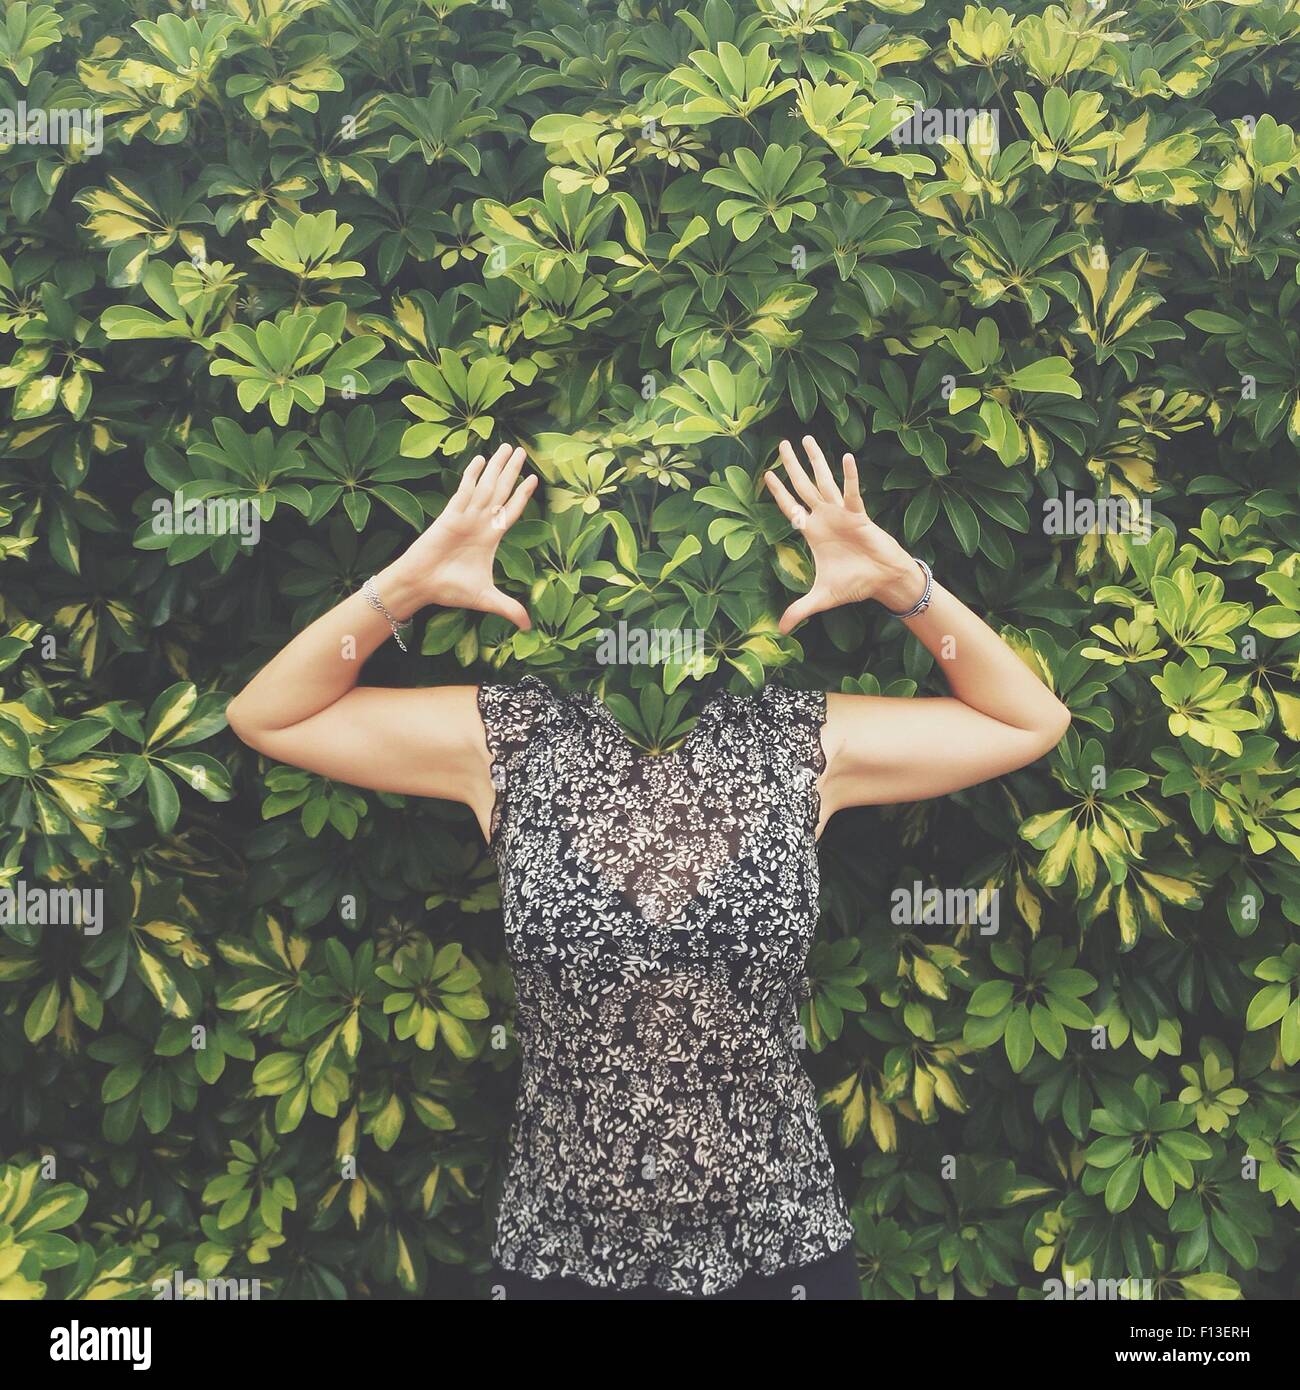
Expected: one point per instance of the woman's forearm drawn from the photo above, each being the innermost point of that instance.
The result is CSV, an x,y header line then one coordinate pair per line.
x,y
981,669
449,564
324,661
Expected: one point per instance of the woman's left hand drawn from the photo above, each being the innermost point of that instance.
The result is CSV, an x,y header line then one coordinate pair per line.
x,y
854,558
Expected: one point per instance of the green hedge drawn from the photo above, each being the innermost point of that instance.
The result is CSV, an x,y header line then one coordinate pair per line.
x,y
320,254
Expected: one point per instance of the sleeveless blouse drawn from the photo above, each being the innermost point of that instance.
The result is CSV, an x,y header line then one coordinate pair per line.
x,y
658,915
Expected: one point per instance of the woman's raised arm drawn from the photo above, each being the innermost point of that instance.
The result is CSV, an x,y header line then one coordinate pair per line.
x,y
999,717
305,708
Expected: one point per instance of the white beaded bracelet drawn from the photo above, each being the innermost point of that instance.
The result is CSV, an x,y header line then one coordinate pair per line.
x,y
924,601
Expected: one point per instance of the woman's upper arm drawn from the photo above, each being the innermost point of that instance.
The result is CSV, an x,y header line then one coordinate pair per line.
x,y
881,750
426,742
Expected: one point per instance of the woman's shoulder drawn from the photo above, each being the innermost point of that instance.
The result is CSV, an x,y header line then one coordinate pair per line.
x,y
785,701
526,689
513,710
792,718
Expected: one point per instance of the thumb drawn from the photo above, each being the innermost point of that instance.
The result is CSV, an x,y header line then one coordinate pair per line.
x,y
494,601
812,602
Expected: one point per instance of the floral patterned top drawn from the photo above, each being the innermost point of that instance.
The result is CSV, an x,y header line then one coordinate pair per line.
x,y
658,915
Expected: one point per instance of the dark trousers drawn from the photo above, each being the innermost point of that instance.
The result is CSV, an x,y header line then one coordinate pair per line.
x,y
833,1277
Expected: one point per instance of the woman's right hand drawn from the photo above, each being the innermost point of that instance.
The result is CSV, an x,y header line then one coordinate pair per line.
x,y
451,563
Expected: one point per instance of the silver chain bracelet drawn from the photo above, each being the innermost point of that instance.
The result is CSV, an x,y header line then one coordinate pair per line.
x,y
924,601
373,599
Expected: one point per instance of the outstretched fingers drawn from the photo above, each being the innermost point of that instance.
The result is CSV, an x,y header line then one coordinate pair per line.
x,y
790,508
803,484
505,481
486,485
505,516
852,496
821,470
487,481
460,499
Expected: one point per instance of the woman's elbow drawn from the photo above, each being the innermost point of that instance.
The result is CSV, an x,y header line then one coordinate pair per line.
x,y
1057,726
242,725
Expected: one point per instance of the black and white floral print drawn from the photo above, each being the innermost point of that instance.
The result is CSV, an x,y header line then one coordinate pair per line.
x,y
658,914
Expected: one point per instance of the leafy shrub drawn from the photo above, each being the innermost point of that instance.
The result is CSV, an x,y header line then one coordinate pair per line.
x,y
324,252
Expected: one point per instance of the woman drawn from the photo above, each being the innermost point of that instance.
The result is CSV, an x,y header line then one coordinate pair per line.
x,y
658,909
